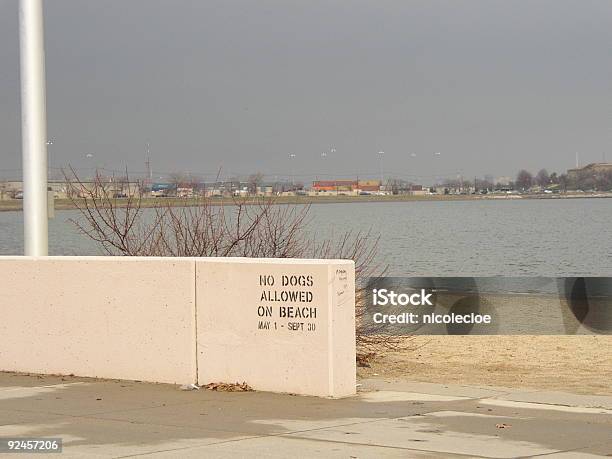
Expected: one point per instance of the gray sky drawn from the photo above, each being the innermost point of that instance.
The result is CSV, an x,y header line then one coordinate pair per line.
x,y
492,85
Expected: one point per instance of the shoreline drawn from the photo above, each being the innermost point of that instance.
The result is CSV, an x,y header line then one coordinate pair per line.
x,y
16,205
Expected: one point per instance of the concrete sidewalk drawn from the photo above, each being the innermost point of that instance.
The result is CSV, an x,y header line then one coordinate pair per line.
x,y
387,419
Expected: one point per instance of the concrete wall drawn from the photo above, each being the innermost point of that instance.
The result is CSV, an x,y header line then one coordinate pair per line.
x,y
127,318
182,320
248,331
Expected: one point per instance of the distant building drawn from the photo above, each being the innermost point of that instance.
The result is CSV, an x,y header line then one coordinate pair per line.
x,y
265,189
417,190
160,190
324,186
334,185
368,185
184,192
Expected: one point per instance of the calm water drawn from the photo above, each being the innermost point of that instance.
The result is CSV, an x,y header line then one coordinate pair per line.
x,y
472,238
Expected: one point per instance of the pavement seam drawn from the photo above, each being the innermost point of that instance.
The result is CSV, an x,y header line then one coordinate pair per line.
x,y
565,450
563,405
291,436
249,433
497,397
239,439
376,445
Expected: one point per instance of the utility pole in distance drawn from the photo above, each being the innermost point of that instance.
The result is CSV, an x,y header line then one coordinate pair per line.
x,y
33,128
380,156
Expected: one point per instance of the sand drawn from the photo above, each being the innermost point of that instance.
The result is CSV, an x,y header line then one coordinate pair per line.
x,y
575,364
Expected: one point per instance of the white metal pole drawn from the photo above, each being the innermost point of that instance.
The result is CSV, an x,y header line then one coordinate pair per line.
x,y
292,158
33,127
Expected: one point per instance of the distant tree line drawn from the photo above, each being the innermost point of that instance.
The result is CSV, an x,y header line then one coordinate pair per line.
x,y
586,180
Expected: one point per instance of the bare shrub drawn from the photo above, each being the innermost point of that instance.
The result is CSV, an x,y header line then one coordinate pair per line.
x,y
201,227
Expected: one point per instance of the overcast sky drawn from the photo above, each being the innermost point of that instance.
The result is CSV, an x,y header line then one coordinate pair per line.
x,y
494,86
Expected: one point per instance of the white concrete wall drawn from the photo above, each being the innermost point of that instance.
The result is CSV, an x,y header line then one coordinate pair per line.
x,y
180,320
239,341
342,325
124,318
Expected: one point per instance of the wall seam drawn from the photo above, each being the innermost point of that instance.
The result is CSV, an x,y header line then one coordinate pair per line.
x,y
195,318
330,329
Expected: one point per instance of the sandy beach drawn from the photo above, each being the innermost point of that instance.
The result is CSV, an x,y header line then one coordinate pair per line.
x,y
576,364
